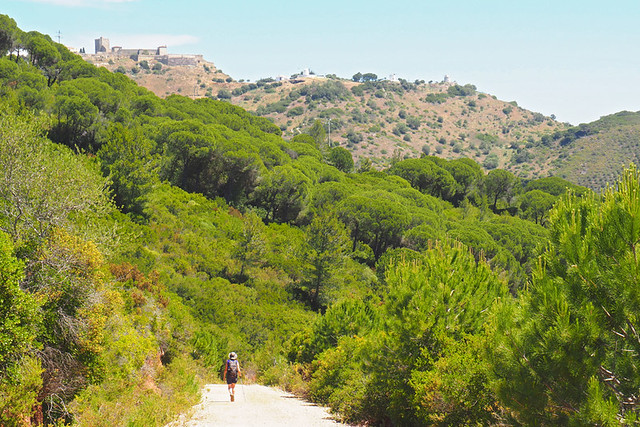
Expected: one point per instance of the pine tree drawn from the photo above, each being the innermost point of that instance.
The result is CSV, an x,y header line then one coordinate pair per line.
x,y
569,352
442,297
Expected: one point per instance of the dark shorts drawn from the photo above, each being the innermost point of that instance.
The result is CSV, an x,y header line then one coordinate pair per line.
x,y
232,378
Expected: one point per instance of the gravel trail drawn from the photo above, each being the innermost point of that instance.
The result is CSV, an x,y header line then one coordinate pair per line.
x,y
254,405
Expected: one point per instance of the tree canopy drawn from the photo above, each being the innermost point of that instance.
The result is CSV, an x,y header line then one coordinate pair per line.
x,y
142,239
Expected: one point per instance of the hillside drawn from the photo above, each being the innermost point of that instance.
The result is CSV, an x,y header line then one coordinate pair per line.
x,y
594,154
384,120
142,239
379,120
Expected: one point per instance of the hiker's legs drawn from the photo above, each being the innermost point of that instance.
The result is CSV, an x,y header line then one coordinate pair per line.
x,y
232,389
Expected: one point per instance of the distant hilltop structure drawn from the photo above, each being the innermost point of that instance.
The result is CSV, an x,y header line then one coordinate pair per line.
x,y
160,54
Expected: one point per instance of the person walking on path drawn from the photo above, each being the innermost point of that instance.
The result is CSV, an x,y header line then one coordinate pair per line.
x,y
231,373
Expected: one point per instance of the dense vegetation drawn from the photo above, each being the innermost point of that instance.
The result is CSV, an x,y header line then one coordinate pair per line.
x,y
375,118
142,239
594,154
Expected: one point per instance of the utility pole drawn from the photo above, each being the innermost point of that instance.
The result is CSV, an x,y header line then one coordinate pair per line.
x,y
59,36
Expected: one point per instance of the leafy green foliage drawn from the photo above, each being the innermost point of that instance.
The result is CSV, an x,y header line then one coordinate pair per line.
x,y
399,353
466,90
535,204
327,91
41,183
19,388
436,98
341,158
129,162
318,133
554,185
18,309
327,243
456,391
499,184
578,317
373,219
282,194
427,177
368,291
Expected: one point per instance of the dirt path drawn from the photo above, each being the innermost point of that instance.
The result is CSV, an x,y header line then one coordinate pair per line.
x,y
254,405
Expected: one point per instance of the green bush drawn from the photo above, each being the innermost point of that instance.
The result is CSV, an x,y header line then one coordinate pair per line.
x,y
224,94
19,317
436,98
576,314
491,161
20,385
466,90
156,400
295,111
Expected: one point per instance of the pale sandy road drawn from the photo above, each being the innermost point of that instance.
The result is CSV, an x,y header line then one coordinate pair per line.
x,y
254,405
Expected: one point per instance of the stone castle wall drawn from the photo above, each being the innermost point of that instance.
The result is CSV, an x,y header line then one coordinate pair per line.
x,y
184,59
159,54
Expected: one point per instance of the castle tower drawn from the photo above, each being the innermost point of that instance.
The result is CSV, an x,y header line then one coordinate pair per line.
x,y
102,45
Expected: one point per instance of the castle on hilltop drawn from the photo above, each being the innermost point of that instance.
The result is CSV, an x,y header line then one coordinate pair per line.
x,y
159,54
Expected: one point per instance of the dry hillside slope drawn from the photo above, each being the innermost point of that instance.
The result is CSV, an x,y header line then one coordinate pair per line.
x,y
379,120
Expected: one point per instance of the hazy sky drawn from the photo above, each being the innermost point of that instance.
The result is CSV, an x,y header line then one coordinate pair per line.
x,y
576,59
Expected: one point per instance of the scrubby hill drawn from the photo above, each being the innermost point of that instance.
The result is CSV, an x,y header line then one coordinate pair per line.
x,y
381,119
194,81
384,121
142,238
594,154
374,119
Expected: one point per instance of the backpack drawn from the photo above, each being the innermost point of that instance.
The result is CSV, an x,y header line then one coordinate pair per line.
x,y
232,367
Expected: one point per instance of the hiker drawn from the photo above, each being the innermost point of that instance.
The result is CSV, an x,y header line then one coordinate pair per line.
x,y
231,373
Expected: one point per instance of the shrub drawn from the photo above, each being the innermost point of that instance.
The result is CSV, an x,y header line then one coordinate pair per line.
x,y
413,122
400,129
295,111
491,161
436,98
353,136
224,94
466,90
19,390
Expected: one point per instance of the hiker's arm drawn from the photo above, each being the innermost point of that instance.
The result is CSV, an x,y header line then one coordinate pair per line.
x,y
224,374
239,372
